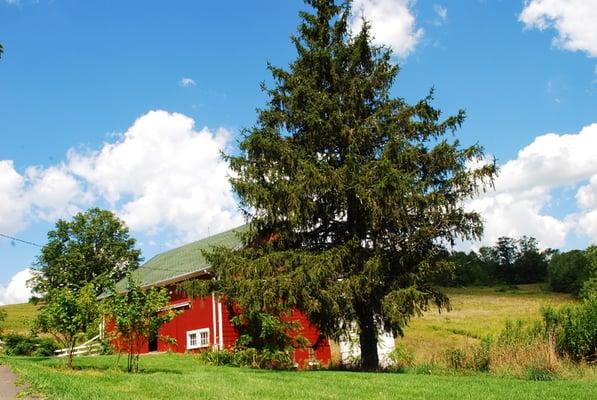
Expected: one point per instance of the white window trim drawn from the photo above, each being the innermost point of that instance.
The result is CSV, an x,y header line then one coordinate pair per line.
x,y
198,333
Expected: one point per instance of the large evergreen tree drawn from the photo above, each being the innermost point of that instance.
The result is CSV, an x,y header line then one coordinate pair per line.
x,y
351,195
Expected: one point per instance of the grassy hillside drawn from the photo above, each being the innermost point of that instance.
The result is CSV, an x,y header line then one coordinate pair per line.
x,y
175,377
476,312
19,317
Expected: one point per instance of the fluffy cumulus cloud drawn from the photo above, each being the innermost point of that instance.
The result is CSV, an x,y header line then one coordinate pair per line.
x,y
55,193
525,189
16,291
392,23
13,207
38,194
163,174
574,21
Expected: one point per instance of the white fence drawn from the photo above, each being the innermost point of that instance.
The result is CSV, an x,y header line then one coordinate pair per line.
x,y
89,348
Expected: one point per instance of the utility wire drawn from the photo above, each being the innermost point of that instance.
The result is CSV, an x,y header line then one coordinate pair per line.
x,y
20,240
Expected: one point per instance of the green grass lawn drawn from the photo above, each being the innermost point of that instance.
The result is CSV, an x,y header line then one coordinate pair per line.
x,y
18,318
175,377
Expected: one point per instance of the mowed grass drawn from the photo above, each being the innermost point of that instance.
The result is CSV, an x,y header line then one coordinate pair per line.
x,y
173,377
18,318
476,312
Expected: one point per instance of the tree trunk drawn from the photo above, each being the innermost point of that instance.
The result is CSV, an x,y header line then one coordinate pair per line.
x,y
368,340
69,356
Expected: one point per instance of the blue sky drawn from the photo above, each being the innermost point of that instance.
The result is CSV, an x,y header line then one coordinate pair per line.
x,y
79,82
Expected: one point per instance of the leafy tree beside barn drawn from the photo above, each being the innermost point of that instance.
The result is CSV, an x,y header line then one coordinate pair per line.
x,y
351,194
93,247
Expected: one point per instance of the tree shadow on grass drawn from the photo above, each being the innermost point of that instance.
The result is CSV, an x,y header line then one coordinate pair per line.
x,y
119,369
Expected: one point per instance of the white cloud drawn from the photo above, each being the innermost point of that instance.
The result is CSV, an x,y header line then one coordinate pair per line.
x,y
160,175
13,206
44,194
525,186
574,21
187,82
163,174
587,225
392,23
16,291
55,193
442,14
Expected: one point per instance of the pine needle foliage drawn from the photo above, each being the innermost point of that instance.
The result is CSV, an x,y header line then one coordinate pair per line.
x,y
351,194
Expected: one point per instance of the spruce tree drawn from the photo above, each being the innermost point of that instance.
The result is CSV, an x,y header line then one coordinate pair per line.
x,y
351,195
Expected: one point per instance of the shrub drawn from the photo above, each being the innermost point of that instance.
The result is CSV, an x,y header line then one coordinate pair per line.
x,y
589,289
456,359
21,345
538,371
249,357
401,357
574,328
45,347
473,357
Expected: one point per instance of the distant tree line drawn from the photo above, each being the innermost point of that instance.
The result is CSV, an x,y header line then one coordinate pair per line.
x,y
574,272
519,261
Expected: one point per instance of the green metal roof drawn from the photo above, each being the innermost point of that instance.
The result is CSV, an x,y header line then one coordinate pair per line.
x,y
182,262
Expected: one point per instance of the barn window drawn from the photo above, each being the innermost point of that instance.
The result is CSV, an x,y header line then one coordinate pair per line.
x,y
198,338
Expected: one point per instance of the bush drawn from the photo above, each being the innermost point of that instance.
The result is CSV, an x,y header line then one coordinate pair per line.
x,y
249,357
401,357
470,358
45,347
21,345
589,289
574,328
538,371
456,359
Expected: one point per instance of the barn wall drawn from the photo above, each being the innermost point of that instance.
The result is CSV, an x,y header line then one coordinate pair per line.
x,y
198,314
320,346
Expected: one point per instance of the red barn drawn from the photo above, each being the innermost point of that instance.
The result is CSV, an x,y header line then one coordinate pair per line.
x,y
204,323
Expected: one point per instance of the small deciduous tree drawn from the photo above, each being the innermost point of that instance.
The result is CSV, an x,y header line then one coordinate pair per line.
x,y
67,316
137,316
94,247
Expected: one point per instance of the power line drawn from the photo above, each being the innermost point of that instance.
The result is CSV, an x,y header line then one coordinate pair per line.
x,y
20,240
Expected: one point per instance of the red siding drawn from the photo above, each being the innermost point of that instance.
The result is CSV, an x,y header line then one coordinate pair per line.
x,y
198,314
229,331
320,346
